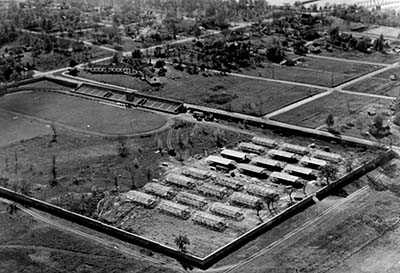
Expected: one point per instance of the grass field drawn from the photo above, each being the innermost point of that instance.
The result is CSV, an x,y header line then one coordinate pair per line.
x,y
322,72
379,84
341,105
375,57
80,113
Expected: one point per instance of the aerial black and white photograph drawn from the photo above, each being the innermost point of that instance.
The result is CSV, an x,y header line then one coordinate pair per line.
x,y
215,136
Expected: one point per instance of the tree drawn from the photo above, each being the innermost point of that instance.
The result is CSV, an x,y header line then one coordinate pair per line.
x,y
181,241
289,190
131,171
122,149
53,171
259,207
54,133
330,120
329,171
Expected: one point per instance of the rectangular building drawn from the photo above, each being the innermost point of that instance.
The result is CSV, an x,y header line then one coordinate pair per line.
x,y
251,148
270,164
327,156
282,155
266,142
299,171
284,178
312,162
219,161
234,155
252,170
301,150
196,173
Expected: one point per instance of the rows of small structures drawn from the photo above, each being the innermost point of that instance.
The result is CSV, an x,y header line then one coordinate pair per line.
x,y
209,198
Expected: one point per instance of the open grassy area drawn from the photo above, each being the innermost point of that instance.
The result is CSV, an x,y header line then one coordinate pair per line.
x,y
322,72
380,84
375,57
81,113
341,105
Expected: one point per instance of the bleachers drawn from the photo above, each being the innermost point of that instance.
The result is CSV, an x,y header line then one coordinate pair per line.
x,y
139,100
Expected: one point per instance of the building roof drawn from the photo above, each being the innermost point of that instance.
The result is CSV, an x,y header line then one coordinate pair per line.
x,y
264,141
281,153
313,161
251,168
298,169
251,146
265,161
327,155
284,176
294,147
196,171
233,153
219,160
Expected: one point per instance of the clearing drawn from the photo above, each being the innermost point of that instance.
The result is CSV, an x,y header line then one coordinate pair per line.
x,y
316,71
88,115
340,105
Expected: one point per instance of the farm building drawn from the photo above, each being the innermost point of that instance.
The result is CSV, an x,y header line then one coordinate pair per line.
x,y
147,200
219,161
261,191
299,171
208,220
227,211
267,163
265,142
252,170
196,173
327,156
180,180
212,190
191,199
251,148
229,183
159,190
234,155
245,200
282,155
284,178
313,163
174,209
297,149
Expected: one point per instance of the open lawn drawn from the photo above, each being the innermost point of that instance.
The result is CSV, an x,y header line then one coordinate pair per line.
x,y
80,113
322,72
255,97
379,84
376,57
341,105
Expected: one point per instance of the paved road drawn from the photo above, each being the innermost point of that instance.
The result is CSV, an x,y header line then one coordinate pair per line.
x,y
345,60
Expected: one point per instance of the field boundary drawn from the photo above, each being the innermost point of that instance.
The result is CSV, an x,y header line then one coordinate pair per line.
x,y
211,259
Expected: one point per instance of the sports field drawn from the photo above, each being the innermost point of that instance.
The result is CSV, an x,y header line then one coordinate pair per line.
x,y
80,114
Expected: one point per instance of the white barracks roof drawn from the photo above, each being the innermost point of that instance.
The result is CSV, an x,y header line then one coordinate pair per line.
x,y
264,141
285,154
284,176
251,168
219,160
298,169
265,161
294,148
251,146
233,153
313,161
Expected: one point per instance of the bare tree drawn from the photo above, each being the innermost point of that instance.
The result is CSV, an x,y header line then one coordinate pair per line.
x,y
53,171
122,150
259,207
131,171
181,241
329,172
54,133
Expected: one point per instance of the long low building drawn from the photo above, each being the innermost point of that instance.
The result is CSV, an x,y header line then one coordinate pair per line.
x,y
196,173
234,155
270,143
282,155
327,156
312,162
293,148
219,161
252,170
251,148
270,164
302,172
180,180
284,178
